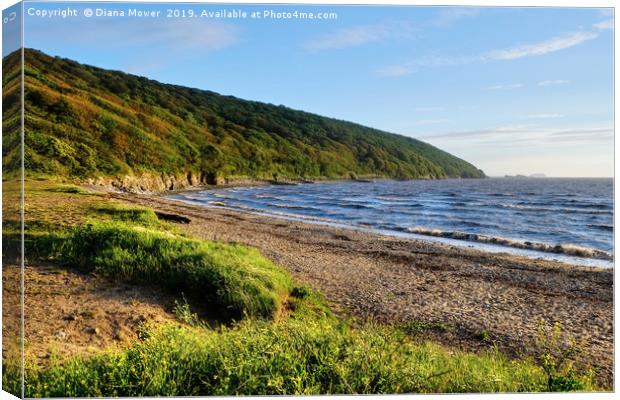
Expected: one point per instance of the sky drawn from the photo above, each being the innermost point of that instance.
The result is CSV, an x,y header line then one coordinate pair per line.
x,y
511,90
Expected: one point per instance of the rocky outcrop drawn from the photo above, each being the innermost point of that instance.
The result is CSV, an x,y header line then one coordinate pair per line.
x,y
149,182
156,183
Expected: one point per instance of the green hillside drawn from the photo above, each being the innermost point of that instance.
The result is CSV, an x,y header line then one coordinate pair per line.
x,y
86,122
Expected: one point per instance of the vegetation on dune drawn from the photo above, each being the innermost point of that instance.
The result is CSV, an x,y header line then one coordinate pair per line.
x,y
83,121
131,244
234,281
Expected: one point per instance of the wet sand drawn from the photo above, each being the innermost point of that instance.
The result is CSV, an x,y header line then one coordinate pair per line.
x,y
394,280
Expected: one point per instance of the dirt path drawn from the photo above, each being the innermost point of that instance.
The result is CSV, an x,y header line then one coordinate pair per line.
x,y
69,313
391,279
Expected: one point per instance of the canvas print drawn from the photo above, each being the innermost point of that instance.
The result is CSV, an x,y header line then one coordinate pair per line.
x,y
260,199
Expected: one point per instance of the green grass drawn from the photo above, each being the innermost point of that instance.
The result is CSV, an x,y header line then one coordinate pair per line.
x,y
70,189
135,215
296,356
234,280
414,328
130,244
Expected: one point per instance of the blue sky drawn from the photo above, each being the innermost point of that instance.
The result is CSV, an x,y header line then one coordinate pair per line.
x,y
512,90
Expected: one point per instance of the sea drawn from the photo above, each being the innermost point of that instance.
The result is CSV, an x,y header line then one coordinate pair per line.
x,y
565,219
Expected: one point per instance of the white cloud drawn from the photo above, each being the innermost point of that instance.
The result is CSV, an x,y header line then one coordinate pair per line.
x,y
360,35
411,66
501,131
524,135
604,25
184,37
537,49
449,15
504,87
553,82
398,70
149,49
585,135
543,116
178,34
528,148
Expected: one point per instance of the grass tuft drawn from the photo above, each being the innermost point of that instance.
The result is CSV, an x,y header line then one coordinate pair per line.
x,y
235,280
69,189
135,215
414,328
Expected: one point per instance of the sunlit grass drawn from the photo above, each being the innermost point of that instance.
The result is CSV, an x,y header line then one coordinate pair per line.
x,y
309,355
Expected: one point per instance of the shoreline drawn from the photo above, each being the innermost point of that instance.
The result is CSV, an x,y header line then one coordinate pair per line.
x,y
389,279
488,246
561,252
147,183
99,184
116,184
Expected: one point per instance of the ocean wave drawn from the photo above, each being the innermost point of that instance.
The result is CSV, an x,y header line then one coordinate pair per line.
x,y
467,204
355,206
564,248
393,199
475,224
590,205
607,228
290,206
583,210
568,204
535,212
269,197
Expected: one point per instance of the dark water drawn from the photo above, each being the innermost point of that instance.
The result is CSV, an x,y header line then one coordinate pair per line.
x,y
547,216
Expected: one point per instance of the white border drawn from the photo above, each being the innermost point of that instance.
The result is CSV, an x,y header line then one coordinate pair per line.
x,y
483,3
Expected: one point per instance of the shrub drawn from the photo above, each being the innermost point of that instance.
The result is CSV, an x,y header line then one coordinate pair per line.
x,y
557,359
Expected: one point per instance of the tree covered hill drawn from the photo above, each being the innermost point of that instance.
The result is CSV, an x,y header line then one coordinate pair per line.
x,y
86,122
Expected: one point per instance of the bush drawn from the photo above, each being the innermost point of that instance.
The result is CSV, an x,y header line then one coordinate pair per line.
x,y
557,359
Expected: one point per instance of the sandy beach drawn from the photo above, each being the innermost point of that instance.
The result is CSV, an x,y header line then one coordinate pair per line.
x,y
485,299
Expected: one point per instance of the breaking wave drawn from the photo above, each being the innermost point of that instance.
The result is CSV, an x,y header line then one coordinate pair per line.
x,y
576,213
562,248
